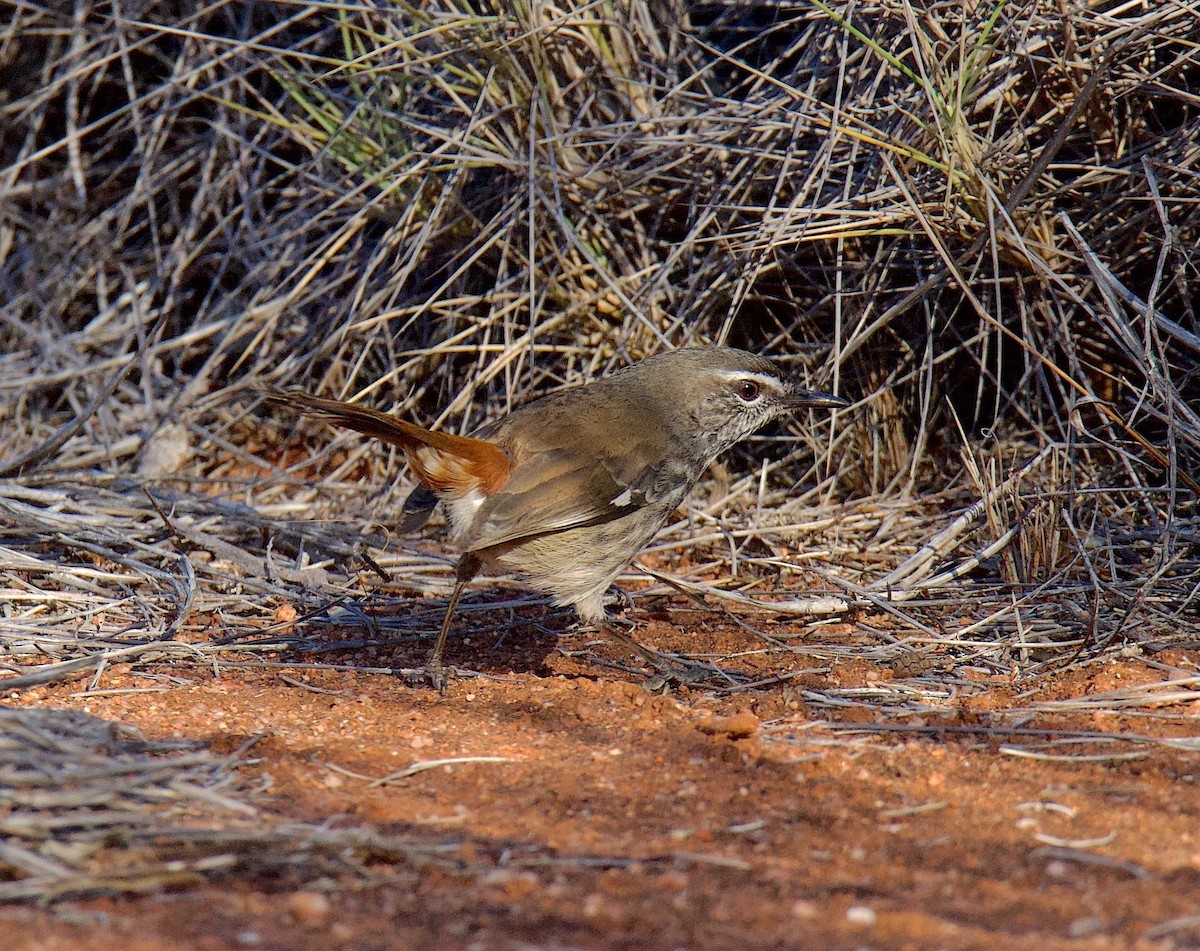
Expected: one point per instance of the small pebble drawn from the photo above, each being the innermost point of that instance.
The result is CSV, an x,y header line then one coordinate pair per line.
x,y
861,915
311,909
165,451
739,726
1085,927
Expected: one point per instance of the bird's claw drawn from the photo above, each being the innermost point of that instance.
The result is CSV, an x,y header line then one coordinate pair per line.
x,y
673,673
433,675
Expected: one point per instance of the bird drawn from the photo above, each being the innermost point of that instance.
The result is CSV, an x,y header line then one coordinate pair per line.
x,y
566,490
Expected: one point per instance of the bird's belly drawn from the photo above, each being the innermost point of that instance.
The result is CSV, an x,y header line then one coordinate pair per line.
x,y
576,566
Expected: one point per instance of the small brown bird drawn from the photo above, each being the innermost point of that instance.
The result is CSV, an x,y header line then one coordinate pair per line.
x,y
566,490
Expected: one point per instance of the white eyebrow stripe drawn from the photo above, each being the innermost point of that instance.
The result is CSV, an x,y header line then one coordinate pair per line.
x,y
765,378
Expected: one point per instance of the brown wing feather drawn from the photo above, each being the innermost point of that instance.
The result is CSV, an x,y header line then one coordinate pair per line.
x,y
444,462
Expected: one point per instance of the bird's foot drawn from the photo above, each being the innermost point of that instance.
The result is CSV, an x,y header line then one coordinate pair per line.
x,y
618,602
677,673
432,674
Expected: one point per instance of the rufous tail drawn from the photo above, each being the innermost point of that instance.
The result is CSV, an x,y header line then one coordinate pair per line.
x,y
448,464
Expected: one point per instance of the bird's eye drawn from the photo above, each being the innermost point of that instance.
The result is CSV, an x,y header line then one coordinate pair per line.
x,y
748,390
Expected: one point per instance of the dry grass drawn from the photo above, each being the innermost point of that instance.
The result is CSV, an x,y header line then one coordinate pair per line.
x,y
979,221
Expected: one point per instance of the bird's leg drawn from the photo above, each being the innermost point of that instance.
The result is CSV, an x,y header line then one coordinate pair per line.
x,y
433,672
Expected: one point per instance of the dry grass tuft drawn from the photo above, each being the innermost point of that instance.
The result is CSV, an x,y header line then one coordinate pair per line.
x,y
90,808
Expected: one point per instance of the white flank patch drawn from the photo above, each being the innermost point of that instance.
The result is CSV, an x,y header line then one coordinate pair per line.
x,y
462,511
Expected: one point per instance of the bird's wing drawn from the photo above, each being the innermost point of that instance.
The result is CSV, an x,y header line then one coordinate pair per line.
x,y
560,489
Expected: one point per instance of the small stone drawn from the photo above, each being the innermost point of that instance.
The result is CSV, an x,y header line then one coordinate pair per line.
x,y
165,451
861,915
1085,927
516,884
737,727
311,909
593,905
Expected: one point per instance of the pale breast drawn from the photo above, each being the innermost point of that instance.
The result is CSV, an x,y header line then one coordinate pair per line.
x,y
576,566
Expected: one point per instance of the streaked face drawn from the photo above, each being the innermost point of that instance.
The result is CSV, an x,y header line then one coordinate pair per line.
x,y
745,392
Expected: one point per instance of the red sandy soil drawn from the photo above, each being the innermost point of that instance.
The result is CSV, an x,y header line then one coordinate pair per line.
x,y
622,819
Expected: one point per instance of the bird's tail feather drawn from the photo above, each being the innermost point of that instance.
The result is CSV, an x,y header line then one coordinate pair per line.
x,y
448,464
